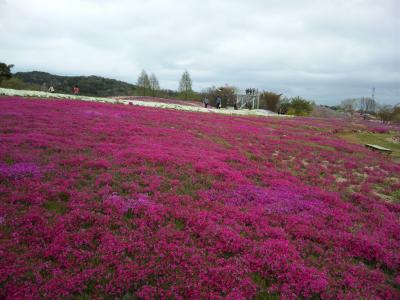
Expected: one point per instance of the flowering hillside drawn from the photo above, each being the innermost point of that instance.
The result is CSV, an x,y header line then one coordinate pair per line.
x,y
140,101
104,200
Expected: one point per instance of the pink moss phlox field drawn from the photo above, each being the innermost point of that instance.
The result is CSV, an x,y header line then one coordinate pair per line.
x,y
18,170
112,201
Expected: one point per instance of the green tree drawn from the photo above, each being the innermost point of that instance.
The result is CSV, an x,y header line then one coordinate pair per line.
x,y
17,84
154,85
143,82
385,113
396,114
5,71
283,106
185,85
270,101
300,107
226,93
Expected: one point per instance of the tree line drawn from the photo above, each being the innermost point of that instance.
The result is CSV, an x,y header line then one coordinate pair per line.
x,y
146,85
149,86
267,100
369,108
89,85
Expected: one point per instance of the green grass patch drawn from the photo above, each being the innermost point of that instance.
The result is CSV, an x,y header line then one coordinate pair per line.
x,y
179,224
316,145
8,159
221,141
381,139
189,185
56,207
319,129
263,285
395,196
253,156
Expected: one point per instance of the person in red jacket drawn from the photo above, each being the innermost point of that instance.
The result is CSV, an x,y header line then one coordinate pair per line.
x,y
76,90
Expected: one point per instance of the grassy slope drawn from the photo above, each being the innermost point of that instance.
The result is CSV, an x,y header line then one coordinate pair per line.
x,y
381,139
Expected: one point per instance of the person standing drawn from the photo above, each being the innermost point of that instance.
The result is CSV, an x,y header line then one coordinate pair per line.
x,y
205,101
76,90
218,102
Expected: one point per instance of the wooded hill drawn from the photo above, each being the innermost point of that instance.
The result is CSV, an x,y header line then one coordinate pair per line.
x,y
89,85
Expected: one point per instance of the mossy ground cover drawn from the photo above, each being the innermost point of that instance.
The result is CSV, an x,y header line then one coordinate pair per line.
x,y
109,201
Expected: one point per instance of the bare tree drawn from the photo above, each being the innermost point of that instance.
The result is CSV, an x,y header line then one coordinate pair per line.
x,y
185,85
269,100
396,114
367,105
362,104
385,113
349,106
227,94
154,85
143,82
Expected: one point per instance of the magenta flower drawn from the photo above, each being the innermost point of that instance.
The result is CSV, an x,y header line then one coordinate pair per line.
x,y
110,201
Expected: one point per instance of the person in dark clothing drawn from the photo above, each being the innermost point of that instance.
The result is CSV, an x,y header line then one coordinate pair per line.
x,y
218,102
205,101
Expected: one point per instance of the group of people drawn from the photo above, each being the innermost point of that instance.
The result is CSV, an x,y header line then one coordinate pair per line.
x,y
218,102
75,89
250,91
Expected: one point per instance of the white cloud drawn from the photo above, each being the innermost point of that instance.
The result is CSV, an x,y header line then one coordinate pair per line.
x,y
324,50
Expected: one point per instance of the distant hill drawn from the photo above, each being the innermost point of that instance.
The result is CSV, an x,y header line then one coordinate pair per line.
x,y
89,85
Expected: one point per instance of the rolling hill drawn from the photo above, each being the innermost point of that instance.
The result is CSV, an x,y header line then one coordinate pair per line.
x,y
89,85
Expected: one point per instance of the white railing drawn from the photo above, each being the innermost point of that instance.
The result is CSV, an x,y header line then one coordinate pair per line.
x,y
244,101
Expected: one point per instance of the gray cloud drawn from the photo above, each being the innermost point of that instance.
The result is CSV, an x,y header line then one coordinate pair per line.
x,y
322,50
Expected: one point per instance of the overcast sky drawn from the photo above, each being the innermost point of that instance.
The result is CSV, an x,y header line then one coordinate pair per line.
x,y
321,50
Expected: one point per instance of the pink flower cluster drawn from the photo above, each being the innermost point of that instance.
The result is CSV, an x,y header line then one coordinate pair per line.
x,y
111,201
124,205
18,170
380,128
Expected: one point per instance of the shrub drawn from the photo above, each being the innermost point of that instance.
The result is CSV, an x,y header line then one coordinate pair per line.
x,y
386,113
5,71
396,114
18,84
300,107
226,93
270,101
283,106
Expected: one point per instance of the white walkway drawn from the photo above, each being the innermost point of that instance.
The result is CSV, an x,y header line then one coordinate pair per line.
x,y
37,94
